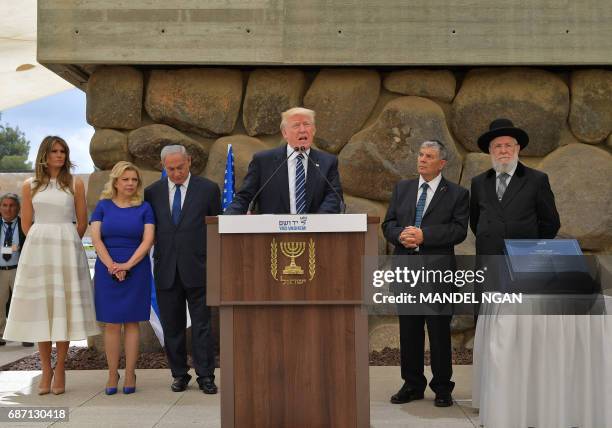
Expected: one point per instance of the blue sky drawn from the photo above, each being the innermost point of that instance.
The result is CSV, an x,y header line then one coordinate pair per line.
x,y
61,114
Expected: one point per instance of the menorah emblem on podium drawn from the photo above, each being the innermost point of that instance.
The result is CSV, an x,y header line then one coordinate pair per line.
x,y
293,274
293,250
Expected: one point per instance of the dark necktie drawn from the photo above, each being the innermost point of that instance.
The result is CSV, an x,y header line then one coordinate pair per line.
x,y
8,240
501,188
176,205
300,186
420,208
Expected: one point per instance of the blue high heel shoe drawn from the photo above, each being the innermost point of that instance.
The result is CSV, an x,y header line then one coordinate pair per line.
x,y
130,389
112,390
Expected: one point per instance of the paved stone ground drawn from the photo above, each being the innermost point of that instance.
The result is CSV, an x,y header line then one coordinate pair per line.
x,y
155,405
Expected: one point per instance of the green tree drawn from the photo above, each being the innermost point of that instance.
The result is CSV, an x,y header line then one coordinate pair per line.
x,y
12,163
14,149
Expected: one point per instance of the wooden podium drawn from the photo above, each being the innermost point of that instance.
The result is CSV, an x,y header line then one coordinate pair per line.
x,y
294,337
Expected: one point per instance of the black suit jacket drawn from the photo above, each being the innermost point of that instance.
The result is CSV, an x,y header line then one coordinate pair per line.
x,y
182,246
526,211
444,223
274,199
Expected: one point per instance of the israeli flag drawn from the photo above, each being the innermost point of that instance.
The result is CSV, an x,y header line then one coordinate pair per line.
x,y
228,182
155,319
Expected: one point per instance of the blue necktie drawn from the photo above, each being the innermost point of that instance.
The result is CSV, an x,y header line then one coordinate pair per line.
x,y
8,240
176,205
420,208
300,186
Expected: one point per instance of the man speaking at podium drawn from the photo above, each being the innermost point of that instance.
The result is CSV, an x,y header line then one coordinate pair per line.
x,y
293,178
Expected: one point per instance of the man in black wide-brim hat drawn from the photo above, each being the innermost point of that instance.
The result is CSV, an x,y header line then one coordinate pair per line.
x,y
510,200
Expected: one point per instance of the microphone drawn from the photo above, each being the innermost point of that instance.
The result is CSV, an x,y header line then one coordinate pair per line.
x,y
316,166
252,203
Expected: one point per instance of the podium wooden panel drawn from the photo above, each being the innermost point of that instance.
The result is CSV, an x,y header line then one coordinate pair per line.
x,y
292,355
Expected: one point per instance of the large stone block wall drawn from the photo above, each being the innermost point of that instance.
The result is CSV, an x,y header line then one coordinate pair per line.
x,y
374,120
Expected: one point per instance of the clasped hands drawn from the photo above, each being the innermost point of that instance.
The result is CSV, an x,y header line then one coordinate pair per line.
x,y
119,270
411,237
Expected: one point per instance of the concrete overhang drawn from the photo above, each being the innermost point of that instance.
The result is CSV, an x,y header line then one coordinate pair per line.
x,y
22,78
74,35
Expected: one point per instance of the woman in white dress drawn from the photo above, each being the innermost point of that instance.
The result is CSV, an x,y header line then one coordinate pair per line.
x,y
52,296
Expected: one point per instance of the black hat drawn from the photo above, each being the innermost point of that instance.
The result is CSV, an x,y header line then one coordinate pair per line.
x,y
502,128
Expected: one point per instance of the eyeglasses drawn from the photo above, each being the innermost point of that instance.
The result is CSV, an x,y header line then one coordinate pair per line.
x,y
508,146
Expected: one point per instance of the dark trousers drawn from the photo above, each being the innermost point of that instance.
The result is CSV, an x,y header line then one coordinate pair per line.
x,y
174,322
412,347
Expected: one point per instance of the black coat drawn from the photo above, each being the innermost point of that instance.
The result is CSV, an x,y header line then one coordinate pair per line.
x,y
526,211
444,223
182,246
274,199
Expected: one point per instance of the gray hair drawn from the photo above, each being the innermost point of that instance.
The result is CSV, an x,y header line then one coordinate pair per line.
x,y
12,196
170,150
435,144
296,110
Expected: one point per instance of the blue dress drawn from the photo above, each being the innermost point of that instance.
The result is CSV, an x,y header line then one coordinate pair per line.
x,y
122,230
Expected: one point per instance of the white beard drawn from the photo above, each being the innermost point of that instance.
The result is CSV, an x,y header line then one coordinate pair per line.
x,y
505,167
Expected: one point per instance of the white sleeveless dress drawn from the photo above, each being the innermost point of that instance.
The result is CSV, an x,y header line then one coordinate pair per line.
x,y
52,296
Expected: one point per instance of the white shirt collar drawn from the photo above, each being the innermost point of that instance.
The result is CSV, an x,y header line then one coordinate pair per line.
x,y
290,150
172,185
433,184
12,222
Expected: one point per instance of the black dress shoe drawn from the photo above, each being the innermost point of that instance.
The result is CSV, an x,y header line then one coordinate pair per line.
x,y
2,342
180,383
207,385
406,395
27,344
443,400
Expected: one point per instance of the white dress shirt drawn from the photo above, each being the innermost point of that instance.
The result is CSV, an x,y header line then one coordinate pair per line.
x,y
291,169
431,189
433,186
15,232
172,191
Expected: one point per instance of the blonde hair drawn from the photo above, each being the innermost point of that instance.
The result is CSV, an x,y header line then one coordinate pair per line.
x,y
110,191
42,177
296,110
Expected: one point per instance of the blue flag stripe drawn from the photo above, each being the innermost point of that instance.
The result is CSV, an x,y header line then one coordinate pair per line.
x,y
228,180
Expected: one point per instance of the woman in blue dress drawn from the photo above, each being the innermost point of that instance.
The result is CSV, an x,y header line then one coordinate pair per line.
x,y
122,230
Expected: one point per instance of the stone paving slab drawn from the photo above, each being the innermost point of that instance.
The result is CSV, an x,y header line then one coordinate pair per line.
x,y
155,405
